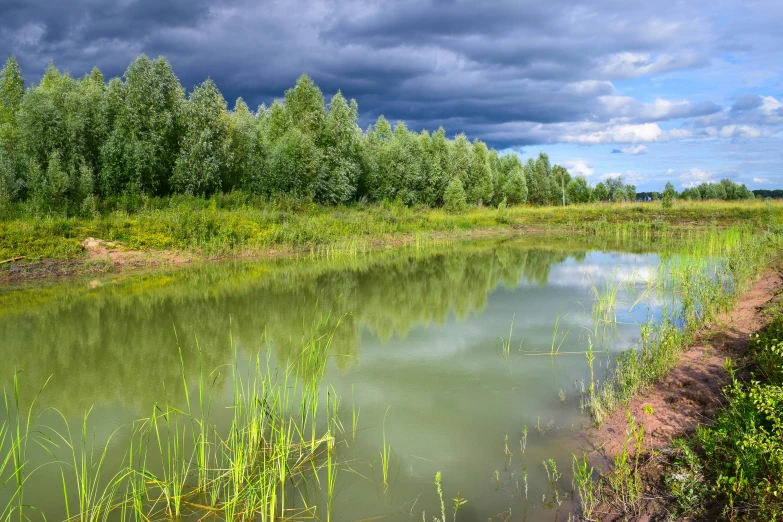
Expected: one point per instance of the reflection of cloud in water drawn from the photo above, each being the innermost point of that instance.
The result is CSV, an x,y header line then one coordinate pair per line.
x,y
587,275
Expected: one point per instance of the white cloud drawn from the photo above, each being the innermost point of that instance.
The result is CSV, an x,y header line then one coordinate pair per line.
x,y
639,133
626,65
579,167
762,180
696,177
669,171
634,151
629,176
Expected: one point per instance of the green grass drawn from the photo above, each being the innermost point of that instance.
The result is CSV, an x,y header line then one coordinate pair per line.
x,y
707,277
179,463
224,226
733,467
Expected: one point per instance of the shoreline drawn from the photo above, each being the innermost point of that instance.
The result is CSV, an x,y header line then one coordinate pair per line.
x,y
689,396
35,248
103,257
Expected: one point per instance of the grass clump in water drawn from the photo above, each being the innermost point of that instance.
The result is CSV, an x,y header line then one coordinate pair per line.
x,y
180,463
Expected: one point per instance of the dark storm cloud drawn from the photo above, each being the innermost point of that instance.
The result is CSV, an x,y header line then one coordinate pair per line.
x,y
511,72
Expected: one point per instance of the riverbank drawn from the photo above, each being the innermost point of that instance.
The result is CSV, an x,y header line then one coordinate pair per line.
x,y
660,436
188,230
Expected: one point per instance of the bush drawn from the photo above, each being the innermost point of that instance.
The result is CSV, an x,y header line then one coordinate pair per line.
x,y
744,449
454,198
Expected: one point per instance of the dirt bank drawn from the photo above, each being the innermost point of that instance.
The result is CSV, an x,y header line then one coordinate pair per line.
x,y
689,395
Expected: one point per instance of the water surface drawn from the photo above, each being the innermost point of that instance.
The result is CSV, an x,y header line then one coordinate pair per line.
x,y
418,339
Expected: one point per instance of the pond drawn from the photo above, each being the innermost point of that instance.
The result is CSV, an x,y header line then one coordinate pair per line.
x,y
442,359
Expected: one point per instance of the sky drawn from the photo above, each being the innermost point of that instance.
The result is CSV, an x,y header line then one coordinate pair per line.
x,y
680,91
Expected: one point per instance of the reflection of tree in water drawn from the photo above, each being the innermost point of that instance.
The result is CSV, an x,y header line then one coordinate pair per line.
x,y
118,343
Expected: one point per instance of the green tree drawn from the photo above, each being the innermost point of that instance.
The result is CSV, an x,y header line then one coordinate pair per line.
x,y
277,121
305,106
730,188
203,158
532,181
12,182
11,94
514,188
454,198
669,190
92,108
630,191
619,195
247,148
292,167
436,166
579,191
539,186
61,189
50,121
478,183
141,150
559,180
340,143
461,156
613,184
744,193
601,192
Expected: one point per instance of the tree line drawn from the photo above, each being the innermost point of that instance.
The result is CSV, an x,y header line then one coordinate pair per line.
x,y
766,193
67,143
726,190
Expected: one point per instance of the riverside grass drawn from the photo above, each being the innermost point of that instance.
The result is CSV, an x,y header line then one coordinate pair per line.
x,y
707,277
178,464
229,225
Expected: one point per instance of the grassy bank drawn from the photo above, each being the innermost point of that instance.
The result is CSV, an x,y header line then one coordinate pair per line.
x,y
223,226
732,468
710,274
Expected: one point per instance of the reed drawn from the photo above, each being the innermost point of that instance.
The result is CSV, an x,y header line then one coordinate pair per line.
x,y
706,277
385,454
179,464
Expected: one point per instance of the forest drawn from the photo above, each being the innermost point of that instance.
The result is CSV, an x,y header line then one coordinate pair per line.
x,y
80,146
69,145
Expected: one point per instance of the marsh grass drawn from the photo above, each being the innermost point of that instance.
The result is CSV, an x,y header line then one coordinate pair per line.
x,y
385,454
180,463
585,486
706,277
231,224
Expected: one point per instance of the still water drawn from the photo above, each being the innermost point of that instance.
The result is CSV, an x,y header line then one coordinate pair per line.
x,y
418,341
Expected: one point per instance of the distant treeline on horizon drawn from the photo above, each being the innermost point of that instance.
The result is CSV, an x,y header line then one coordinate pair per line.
x,y
69,146
767,193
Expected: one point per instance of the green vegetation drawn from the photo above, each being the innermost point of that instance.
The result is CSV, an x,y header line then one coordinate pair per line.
x,y
79,146
180,462
725,190
712,271
236,224
733,467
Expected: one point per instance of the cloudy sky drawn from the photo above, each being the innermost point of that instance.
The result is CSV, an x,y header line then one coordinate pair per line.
x,y
686,91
